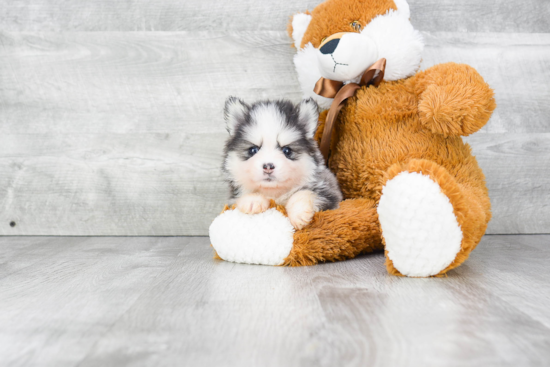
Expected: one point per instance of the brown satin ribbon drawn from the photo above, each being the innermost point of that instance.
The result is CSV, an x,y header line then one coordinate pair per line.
x,y
340,92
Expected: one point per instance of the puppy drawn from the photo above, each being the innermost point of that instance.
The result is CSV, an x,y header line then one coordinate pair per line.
x,y
271,154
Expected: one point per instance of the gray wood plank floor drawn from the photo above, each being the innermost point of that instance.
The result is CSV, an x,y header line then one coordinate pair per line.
x,y
129,301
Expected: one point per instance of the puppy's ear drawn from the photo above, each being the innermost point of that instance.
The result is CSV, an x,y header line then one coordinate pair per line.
x,y
234,112
297,27
308,116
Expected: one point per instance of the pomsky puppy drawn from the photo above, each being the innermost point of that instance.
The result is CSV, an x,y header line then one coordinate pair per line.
x,y
271,154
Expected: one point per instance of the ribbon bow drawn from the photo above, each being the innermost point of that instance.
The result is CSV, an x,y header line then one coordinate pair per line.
x,y
340,92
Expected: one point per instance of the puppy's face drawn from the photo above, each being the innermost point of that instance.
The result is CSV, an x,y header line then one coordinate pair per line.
x,y
270,149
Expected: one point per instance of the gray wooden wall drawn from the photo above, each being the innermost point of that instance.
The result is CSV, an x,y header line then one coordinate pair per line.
x,y
111,111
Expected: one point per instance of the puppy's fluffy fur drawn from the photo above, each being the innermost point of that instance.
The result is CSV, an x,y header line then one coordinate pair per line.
x,y
271,154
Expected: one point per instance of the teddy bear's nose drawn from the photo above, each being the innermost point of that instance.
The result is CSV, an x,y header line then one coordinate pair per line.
x,y
330,46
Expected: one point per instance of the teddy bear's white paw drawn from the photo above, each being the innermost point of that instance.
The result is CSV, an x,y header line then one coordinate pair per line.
x,y
264,238
300,208
418,224
252,204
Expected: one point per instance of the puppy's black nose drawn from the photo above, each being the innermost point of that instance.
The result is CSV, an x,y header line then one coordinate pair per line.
x,y
330,46
269,167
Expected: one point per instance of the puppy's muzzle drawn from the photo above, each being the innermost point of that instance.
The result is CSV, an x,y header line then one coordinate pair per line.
x,y
268,168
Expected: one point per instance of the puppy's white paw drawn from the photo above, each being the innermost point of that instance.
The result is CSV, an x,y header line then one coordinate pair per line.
x,y
252,204
300,208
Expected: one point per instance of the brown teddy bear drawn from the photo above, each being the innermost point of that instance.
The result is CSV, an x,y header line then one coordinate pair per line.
x,y
412,186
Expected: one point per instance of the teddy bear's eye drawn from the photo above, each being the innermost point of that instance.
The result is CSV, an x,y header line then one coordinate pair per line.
x,y
356,26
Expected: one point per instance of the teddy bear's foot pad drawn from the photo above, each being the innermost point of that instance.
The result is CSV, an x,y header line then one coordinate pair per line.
x,y
264,238
419,226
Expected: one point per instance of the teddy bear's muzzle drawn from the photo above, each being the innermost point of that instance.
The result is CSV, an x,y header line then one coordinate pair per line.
x,y
345,56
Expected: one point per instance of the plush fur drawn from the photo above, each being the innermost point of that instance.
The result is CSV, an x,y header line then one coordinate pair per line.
x,y
388,139
237,235
411,124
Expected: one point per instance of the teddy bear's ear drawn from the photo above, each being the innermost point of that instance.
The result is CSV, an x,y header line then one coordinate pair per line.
x,y
298,26
234,112
403,7
308,116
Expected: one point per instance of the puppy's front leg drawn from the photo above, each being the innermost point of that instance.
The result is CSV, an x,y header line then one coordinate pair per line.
x,y
252,203
301,207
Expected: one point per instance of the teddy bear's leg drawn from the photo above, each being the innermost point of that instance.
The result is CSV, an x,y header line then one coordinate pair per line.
x,y
337,234
430,222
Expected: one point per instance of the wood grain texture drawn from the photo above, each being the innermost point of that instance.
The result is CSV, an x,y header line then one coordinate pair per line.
x,y
87,284
137,184
159,82
123,82
116,133
165,301
518,178
529,16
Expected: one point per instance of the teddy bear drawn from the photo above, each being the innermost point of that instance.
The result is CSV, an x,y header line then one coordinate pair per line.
x,y
412,187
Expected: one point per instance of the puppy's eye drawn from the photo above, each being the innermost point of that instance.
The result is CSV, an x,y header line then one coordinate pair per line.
x,y
356,26
287,152
253,150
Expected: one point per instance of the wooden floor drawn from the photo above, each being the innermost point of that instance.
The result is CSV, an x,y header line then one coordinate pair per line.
x,y
163,301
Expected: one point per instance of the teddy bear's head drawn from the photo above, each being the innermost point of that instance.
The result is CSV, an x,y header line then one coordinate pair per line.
x,y
340,39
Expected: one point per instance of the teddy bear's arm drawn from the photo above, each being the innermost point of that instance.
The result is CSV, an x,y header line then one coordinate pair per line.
x,y
453,99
